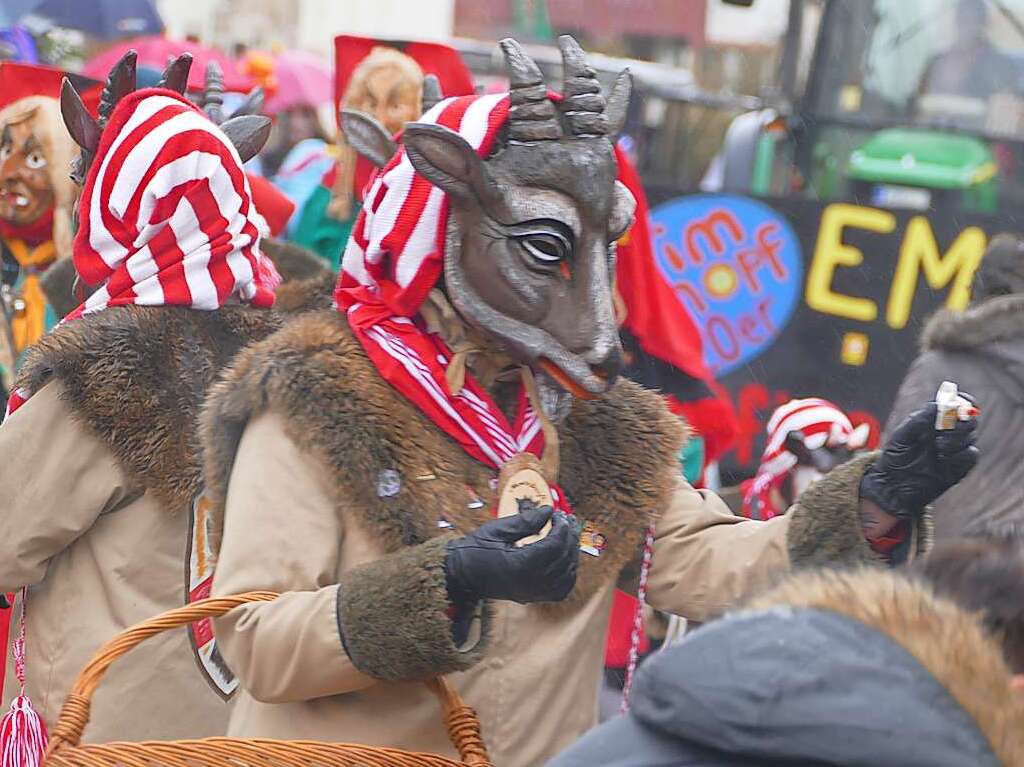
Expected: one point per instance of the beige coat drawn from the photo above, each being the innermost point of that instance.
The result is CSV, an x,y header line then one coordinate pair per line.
x,y
109,559
361,619
99,473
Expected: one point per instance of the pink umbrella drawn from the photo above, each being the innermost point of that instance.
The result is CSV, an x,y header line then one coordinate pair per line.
x,y
153,53
302,79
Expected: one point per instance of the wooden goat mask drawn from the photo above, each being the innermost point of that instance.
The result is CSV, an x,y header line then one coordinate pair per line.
x,y
530,250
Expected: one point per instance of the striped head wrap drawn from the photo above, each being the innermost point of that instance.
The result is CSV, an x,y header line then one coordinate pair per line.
x,y
820,422
166,214
396,252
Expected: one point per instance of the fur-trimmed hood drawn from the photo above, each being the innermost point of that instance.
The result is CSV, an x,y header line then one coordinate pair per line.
x,y
618,454
994,320
948,642
855,667
990,334
135,376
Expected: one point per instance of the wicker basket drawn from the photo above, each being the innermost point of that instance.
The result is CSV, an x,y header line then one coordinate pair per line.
x,y
65,750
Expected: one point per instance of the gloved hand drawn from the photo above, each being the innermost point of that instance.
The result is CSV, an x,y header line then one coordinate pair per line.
x,y
486,564
919,464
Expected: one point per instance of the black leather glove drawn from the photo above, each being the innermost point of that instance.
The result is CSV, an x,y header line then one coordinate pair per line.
x,y
919,464
487,564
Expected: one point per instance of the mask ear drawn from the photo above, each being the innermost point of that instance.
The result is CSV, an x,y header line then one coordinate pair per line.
x,y
368,137
81,125
445,159
248,133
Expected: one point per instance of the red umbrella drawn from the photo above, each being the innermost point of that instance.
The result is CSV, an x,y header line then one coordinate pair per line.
x,y
302,79
155,51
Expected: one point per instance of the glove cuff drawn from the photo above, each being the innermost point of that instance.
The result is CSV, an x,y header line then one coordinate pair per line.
x,y
824,526
394,618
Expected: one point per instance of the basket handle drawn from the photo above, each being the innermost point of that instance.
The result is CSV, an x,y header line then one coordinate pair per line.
x,y
461,721
74,714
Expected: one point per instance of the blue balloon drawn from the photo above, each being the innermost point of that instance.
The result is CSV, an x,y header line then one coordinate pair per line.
x,y
736,265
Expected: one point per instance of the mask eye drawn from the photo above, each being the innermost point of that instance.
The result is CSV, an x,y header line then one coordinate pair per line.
x,y
5,152
35,161
545,250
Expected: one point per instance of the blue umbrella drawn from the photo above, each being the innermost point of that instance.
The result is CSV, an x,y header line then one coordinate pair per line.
x,y
106,19
12,10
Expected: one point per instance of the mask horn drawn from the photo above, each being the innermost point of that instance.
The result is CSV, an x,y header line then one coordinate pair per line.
x,y
583,105
432,93
120,82
618,103
175,76
213,93
532,116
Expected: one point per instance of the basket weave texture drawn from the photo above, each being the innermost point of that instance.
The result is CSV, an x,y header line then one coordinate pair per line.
x,y
66,749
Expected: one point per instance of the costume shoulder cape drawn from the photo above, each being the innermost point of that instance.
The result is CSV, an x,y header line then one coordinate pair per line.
x,y
618,454
136,376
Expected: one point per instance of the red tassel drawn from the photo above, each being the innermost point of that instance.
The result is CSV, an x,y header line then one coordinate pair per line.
x,y
23,735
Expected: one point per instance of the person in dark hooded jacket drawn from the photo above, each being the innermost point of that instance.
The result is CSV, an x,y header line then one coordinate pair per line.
x,y
982,351
859,668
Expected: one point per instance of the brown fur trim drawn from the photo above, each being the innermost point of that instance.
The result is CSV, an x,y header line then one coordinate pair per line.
x,y
619,465
997,319
311,294
293,262
619,453
824,528
398,607
134,376
947,641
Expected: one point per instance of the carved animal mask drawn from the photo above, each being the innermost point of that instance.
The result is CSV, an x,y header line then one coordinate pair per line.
x,y
529,258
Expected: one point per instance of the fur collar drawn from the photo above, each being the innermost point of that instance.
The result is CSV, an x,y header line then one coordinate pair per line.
x,y
618,454
997,319
946,640
135,376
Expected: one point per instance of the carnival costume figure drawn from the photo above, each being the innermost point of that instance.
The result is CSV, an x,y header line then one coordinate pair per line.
x,y
36,200
444,475
102,527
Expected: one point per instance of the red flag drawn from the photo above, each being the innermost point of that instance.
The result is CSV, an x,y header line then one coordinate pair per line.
x,y
18,81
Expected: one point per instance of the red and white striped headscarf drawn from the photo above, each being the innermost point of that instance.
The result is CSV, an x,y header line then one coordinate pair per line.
x,y
394,257
166,214
821,423
396,252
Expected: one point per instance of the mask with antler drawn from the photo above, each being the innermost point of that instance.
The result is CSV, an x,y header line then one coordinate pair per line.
x,y
529,251
246,131
160,147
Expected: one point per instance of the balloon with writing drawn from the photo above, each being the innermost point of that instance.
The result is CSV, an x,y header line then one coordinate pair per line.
x,y
735,265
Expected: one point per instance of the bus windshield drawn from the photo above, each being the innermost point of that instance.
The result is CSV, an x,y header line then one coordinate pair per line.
x,y
931,63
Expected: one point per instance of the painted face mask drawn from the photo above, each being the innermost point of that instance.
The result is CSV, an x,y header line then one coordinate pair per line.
x,y
26,194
